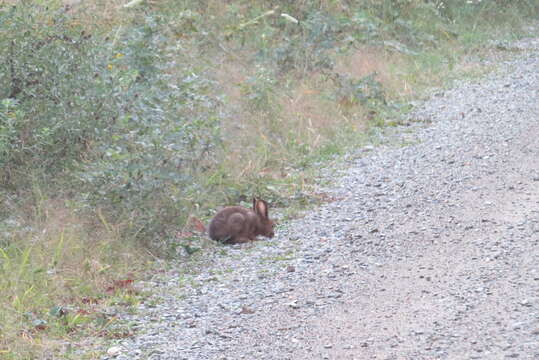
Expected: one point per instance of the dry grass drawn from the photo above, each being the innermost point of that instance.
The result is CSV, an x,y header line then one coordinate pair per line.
x,y
263,142
366,60
102,15
298,117
388,66
405,77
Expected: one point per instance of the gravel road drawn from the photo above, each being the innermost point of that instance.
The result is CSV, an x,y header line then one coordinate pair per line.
x,y
430,249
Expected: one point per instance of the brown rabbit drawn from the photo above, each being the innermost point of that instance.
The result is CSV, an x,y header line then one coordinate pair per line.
x,y
236,224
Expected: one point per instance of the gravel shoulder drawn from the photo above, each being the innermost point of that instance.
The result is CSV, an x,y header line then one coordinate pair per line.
x,y
429,251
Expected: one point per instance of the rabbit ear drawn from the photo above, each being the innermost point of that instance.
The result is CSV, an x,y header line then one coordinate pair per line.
x,y
261,208
255,200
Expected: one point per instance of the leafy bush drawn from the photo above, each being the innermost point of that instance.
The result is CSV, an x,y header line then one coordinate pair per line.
x,y
166,132
125,121
366,91
306,46
56,101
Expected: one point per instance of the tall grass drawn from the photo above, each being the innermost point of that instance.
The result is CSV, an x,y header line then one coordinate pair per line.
x,y
59,277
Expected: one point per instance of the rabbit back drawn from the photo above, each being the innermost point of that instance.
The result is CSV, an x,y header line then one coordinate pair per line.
x,y
233,224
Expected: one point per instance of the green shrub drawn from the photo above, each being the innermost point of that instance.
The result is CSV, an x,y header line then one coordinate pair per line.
x,y
306,47
55,99
166,133
125,121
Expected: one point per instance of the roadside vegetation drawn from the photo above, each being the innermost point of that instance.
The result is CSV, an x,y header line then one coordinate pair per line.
x,y
122,127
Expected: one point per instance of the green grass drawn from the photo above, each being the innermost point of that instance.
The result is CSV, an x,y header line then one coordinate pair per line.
x,y
57,286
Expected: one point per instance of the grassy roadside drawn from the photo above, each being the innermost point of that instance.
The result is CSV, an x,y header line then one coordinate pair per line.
x,y
179,107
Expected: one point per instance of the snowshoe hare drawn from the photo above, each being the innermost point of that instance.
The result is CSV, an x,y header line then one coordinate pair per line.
x,y
236,224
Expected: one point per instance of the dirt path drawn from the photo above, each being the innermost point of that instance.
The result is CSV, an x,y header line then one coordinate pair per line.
x,y
430,251
468,293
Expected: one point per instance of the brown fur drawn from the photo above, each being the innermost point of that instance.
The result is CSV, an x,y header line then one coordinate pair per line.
x,y
236,224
